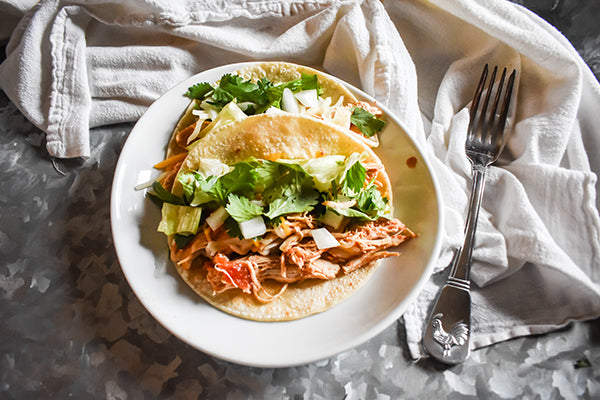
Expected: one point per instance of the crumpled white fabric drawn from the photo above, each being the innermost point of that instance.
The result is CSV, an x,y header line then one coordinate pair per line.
x,y
75,65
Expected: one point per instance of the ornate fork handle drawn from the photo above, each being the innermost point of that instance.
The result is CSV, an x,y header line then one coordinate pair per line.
x,y
447,334
461,266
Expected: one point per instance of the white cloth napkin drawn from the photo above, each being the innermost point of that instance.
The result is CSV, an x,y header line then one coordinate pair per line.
x,y
72,65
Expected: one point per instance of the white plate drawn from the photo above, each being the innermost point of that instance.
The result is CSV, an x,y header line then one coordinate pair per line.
x,y
143,253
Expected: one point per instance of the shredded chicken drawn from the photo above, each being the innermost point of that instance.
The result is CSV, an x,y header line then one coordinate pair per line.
x,y
181,138
168,180
244,264
367,107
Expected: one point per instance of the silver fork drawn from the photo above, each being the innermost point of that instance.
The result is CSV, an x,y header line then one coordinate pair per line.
x,y
448,329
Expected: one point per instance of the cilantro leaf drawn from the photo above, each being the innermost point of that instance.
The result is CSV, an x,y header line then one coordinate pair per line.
x,y
266,174
242,209
263,93
274,93
199,90
241,90
160,195
241,180
233,228
221,97
198,190
371,202
354,179
292,204
366,122
292,192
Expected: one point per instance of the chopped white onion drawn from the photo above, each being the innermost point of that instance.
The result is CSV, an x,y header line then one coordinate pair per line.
x,y
144,185
320,108
308,98
289,102
147,184
253,227
341,117
198,126
324,239
282,230
217,218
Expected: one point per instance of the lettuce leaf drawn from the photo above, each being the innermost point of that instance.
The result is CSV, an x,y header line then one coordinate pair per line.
x,y
178,219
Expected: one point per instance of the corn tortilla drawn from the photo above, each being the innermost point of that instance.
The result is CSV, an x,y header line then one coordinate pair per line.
x,y
275,137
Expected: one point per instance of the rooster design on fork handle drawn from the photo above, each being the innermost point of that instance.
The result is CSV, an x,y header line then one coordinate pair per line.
x,y
458,335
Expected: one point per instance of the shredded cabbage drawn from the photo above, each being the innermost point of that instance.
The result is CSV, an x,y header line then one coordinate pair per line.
x,y
229,114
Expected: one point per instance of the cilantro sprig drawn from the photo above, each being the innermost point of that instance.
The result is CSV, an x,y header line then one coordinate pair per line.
x,y
366,122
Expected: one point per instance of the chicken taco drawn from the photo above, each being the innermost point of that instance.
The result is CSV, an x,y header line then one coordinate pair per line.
x,y
277,216
273,87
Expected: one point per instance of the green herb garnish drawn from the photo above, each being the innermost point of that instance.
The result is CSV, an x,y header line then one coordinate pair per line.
x,y
261,94
366,122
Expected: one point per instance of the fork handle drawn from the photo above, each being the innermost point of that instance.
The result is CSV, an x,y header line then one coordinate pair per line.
x,y
461,266
448,330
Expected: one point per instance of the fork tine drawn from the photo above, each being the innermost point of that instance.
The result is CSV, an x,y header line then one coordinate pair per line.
x,y
485,120
494,120
505,105
476,99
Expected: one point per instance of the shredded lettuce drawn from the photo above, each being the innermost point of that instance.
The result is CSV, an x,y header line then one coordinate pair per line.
x,y
324,170
229,114
176,219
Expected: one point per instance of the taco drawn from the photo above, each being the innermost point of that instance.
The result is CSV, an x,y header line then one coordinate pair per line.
x,y
273,87
278,216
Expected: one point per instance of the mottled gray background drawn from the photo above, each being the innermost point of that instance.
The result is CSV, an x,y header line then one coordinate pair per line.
x,y
72,328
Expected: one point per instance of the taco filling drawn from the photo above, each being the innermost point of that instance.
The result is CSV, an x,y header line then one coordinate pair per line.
x,y
284,220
